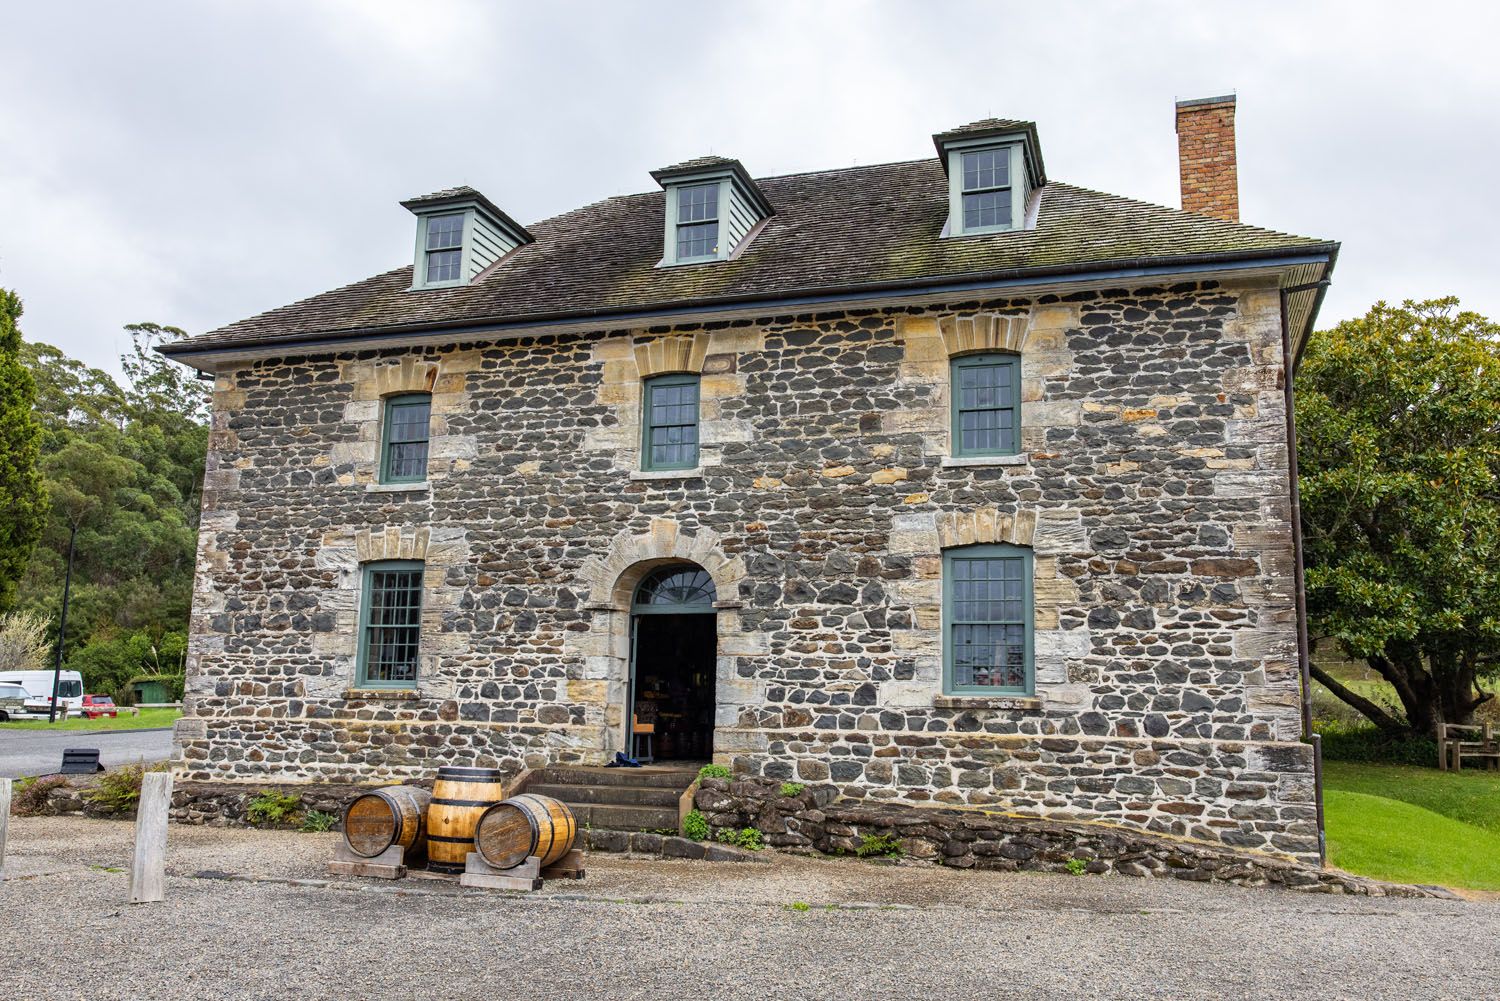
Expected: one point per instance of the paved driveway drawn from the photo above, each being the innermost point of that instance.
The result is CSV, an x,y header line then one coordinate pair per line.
x,y
37,752
643,929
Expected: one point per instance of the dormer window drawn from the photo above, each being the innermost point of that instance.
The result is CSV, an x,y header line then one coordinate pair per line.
x,y
993,166
445,242
460,234
713,209
697,222
986,189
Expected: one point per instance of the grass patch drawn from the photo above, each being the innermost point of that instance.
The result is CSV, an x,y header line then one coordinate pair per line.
x,y
1470,797
147,719
1394,840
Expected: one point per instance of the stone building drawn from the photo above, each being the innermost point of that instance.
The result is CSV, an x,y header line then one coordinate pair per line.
x,y
938,481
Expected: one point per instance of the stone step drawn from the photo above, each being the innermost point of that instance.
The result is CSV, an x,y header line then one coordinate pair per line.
x,y
648,775
625,818
610,795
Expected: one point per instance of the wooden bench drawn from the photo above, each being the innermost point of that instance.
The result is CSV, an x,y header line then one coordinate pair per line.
x,y
1458,741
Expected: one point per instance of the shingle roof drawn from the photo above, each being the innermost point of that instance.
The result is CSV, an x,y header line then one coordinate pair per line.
x,y
839,230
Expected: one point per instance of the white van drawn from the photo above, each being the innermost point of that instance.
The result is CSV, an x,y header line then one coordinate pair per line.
x,y
38,685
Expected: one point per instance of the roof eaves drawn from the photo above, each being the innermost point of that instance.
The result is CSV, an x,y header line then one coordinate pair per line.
x,y
1160,264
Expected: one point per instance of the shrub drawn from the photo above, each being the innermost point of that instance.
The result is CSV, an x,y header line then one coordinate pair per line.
x,y
317,822
1077,866
878,845
695,826
23,642
746,837
714,772
1368,743
119,789
30,796
272,807
792,788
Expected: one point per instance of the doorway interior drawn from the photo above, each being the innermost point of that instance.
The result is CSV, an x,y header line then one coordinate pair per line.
x,y
674,653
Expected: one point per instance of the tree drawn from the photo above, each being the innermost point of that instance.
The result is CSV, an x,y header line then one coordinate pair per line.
x,y
1398,416
125,467
23,504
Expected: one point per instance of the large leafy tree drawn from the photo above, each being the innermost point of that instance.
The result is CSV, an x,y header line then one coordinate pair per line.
x,y
125,468
23,504
1398,417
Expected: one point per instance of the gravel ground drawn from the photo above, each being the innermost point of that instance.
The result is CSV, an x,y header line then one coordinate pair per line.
x,y
639,929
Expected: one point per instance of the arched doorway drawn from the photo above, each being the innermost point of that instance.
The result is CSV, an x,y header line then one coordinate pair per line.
x,y
673,661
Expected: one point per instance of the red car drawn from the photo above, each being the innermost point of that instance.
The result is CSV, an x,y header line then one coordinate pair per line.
x,y
95,706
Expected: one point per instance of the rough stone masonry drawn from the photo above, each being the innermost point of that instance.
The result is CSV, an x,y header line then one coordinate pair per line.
x,y
1152,489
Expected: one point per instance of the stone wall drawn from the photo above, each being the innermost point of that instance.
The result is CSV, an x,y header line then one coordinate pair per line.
x,y
811,819
1152,490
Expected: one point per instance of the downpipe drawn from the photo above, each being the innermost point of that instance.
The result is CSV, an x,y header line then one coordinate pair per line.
x,y
1304,654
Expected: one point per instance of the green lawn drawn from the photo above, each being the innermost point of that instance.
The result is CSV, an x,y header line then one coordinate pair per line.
x,y
124,721
1470,796
1414,825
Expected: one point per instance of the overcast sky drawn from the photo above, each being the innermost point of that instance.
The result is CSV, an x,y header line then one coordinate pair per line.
x,y
195,163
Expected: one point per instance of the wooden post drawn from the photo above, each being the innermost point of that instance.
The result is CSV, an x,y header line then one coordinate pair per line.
x,y
148,862
4,819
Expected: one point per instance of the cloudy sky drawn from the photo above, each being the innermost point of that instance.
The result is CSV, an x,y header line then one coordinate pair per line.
x,y
193,163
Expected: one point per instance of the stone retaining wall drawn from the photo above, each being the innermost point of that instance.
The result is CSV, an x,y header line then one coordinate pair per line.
x,y
812,820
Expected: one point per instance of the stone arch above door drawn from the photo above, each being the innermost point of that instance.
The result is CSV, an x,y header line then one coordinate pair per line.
x,y
612,577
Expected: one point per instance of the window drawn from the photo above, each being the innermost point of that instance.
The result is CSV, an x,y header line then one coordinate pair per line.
x,y
675,590
986,189
444,251
670,425
403,456
390,624
697,222
987,617
986,392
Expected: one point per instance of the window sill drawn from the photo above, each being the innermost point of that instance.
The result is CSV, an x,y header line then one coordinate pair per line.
x,y
383,694
666,474
398,488
960,461
1022,702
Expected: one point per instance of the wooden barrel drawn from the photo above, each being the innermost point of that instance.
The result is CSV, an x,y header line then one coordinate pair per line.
x,y
522,826
395,815
459,797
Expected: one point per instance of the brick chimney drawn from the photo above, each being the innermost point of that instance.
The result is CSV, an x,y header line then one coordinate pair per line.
x,y
1206,160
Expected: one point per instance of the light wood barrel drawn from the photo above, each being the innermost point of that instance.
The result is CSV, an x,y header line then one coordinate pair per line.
x,y
459,797
395,815
522,826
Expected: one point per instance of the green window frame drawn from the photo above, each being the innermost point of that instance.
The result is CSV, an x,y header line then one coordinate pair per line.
x,y
390,624
987,188
405,433
986,392
669,422
988,618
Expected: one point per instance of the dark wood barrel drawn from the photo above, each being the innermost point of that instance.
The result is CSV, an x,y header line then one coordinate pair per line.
x,y
395,815
522,826
459,797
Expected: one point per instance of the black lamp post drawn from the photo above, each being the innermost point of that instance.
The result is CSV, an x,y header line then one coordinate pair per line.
x,y
62,628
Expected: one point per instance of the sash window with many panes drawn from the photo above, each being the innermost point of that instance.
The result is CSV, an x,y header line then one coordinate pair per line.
x,y
390,624
670,433
987,617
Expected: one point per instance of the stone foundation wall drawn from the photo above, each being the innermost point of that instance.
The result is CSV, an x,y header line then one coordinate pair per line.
x,y
1152,491
813,820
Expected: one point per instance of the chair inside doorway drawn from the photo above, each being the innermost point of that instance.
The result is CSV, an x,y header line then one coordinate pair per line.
x,y
673,663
